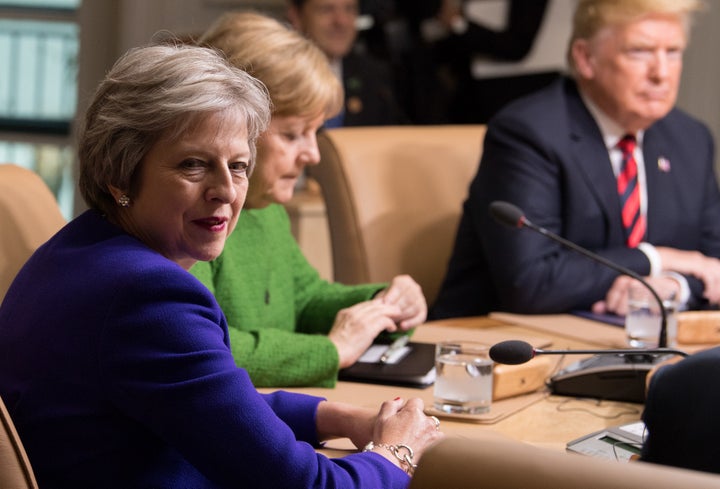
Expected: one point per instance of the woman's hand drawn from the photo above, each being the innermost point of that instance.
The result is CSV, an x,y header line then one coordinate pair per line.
x,y
356,327
405,423
407,295
398,422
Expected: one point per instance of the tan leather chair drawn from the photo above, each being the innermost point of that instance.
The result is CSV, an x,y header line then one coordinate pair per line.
x,y
29,215
15,469
500,463
394,196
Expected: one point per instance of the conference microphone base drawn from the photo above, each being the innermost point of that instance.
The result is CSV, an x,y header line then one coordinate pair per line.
x,y
619,377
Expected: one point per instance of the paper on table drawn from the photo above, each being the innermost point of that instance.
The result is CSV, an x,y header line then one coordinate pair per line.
x,y
375,353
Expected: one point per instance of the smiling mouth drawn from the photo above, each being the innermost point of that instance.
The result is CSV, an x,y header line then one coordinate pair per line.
x,y
213,223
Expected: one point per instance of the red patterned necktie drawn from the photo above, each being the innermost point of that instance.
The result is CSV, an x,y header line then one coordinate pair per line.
x,y
629,191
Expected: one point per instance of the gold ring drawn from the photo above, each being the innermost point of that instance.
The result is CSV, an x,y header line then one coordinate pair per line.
x,y
437,422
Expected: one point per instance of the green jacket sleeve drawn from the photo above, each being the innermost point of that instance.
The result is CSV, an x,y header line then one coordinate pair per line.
x,y
278,308
276,358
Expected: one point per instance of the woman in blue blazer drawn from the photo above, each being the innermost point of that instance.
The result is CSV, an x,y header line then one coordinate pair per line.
x,y
114,360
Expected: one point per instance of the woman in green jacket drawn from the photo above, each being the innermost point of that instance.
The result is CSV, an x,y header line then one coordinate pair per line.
x,y
288,327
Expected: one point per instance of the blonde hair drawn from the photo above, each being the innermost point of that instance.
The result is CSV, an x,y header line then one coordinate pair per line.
x,y
295,71
591,16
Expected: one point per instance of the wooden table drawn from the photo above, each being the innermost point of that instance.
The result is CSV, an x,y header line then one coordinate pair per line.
x,y
546,420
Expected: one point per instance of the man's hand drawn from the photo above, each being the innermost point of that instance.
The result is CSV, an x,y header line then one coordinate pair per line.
x,y
705,268
616,299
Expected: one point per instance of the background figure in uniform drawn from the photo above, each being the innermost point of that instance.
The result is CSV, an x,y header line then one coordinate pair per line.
x,y
368,82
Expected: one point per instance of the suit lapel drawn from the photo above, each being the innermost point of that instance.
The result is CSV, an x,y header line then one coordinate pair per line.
x,y
658,180
590,154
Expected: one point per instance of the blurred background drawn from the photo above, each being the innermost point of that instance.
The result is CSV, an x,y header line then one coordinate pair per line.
x,y
54,52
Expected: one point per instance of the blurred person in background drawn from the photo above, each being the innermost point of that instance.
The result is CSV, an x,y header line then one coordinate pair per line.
x,y
370,90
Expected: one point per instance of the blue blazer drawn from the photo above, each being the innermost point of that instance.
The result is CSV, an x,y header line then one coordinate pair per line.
x,y
116,369
545,154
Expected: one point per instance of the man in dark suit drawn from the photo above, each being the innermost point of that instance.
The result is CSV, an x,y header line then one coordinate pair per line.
x,y
368,82
558,154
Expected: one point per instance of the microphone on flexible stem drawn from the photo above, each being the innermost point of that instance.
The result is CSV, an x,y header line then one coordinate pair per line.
x,y
511,215
610,374
614,374
515,352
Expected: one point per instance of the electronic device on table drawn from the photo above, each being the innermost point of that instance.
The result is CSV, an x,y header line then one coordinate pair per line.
x,y
615,443
402,362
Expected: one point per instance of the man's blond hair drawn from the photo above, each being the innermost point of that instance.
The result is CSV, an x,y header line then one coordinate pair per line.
x,y
591,16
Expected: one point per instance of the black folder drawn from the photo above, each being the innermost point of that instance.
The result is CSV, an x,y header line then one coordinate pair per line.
x,y
415,369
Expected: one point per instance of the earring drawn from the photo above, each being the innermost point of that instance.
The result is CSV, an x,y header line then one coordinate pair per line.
x,y
124,201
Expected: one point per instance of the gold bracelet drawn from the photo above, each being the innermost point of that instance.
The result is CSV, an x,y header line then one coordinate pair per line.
x,y
401,451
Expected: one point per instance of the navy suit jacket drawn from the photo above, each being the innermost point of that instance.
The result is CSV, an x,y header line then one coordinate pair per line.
x,y
545,154
681,414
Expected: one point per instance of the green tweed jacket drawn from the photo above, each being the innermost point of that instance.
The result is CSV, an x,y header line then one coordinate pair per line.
x,y
279,310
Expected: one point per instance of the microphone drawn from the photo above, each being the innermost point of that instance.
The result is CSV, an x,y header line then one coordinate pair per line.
x,y
610,374
515,352
511,215
613,374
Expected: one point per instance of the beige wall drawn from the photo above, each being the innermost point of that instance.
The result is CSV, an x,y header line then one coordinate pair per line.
x,y
700,89
140,19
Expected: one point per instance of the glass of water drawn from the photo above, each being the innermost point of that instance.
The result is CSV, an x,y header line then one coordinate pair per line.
x,y
643,319
464,380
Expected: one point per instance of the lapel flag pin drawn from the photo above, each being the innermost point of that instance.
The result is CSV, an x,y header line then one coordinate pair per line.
x,y
663,164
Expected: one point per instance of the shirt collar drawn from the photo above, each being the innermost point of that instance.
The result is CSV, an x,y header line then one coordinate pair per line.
x,y
611,131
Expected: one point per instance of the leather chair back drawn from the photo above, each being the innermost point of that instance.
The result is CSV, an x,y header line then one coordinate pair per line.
x,y
29,215
393,197
500,463
15,469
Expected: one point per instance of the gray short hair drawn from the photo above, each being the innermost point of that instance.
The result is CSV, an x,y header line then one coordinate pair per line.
x,y
155,91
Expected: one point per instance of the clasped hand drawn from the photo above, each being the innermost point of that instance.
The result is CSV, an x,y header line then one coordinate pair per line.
x,y
702,267
691,263
398,421
401,306
616,299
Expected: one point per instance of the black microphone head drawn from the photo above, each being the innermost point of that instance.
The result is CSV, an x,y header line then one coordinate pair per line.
x,y
512,352
507,213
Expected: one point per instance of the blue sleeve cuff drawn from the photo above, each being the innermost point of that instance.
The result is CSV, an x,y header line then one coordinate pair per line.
x,y
298,411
